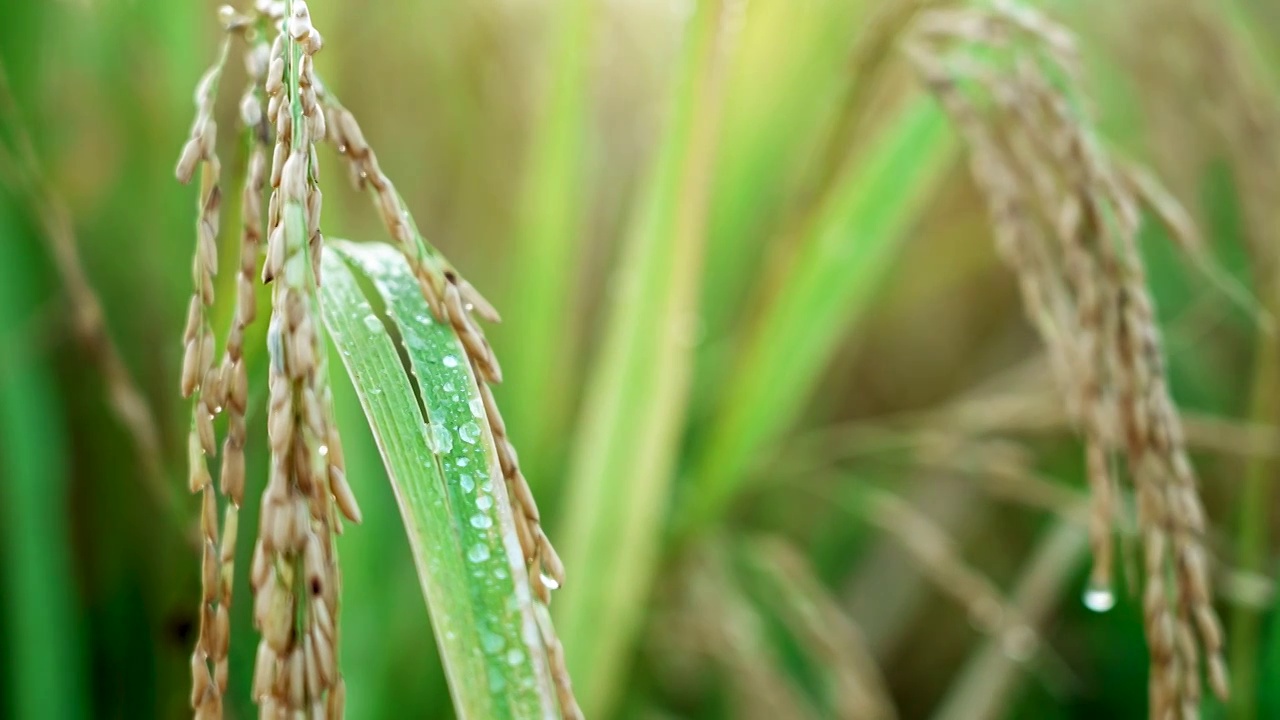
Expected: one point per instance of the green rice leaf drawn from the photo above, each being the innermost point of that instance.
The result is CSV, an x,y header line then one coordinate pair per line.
x,y
445,474
842,259
637,395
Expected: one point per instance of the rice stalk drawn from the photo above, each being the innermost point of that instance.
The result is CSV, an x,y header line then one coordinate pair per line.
x,y
636,396
22,174
709,620
986,685
1066,223
832,638
46,672
939,560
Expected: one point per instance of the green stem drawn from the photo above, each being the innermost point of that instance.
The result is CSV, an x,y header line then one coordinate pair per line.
x,y
1253,536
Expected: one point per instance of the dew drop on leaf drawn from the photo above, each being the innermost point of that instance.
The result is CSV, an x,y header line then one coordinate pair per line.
x,y
478,553
469,432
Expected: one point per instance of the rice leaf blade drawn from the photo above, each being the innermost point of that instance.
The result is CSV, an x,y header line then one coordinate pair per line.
x,y
637,395
845,255
548,237
461,453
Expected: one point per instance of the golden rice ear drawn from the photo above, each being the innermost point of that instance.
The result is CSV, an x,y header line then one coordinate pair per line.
x,y
308,486
203,382
1066,216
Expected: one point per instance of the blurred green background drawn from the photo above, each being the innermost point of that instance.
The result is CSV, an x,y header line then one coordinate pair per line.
x,y
762,360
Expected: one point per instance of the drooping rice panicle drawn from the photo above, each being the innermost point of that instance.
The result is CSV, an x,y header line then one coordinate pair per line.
x,y
295,573
1066,220
201,379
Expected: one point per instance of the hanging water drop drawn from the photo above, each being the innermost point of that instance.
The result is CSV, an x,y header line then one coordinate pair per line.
x,y
550,582
1099,598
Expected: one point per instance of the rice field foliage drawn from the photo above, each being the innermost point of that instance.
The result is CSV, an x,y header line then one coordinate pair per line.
x,y
897,359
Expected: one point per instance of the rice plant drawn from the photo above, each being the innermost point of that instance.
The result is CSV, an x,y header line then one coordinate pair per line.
x,y
867,359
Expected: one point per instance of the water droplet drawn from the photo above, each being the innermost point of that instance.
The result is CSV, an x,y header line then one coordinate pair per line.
x,y
1099,598
422,319
515,656
469,432
477,407
372,322
442,440
217,410
447,387
323,450
1019,643
375,390
481,522
500,574
468,484
484,502
497,683
449,361
492,642
478,553
462,462
550,582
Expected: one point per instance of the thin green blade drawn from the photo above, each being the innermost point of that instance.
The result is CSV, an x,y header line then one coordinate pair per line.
x,y
462,455
480,620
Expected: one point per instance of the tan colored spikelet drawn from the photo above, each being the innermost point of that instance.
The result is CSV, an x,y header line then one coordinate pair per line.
x,y
1066,220
201,380
454,300
295,573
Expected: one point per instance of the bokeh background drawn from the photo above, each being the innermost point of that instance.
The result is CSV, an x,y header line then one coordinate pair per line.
x,y
897,480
